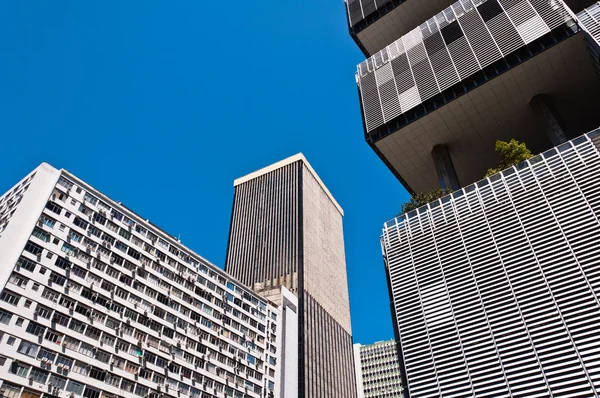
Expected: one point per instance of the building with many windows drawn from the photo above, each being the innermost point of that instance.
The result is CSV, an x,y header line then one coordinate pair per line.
x,y
286,231
378,373
98,302
496,289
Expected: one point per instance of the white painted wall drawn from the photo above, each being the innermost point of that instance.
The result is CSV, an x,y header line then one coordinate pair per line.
x,y
358,371
25,217
287,346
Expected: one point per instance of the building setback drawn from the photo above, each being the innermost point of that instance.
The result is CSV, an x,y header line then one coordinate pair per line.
x,y
378,373
98,302
286,230
496,286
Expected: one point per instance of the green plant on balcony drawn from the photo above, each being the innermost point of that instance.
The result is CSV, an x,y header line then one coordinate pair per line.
x,y
511,153
421,199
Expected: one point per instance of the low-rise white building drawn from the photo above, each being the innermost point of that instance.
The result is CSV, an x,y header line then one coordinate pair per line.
x,y
378,372
98,302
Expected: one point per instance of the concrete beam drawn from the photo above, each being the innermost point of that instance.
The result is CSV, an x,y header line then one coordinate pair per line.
x,y
546,114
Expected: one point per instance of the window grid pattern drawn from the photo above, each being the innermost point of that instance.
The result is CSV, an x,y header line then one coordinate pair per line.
x,y
458,42
496,288
11,199
165,317
380,368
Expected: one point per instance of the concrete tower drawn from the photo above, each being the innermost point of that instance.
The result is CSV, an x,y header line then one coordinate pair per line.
x,y
286,230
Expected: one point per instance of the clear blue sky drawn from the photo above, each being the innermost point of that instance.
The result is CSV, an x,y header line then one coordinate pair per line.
x,y
162,104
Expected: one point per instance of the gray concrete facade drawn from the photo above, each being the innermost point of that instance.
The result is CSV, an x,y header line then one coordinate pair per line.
x,y
286,230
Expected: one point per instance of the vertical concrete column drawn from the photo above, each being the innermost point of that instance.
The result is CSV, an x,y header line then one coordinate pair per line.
x,y
444,167
544,110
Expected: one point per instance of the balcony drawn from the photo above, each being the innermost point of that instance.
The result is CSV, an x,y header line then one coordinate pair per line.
x,y
376,23
467,77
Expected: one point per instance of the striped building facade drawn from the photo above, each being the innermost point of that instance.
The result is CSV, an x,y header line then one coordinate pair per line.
x,y
496,287
286,230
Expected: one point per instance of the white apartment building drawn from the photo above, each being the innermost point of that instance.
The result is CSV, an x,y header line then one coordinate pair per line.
x,y
378,372
98,302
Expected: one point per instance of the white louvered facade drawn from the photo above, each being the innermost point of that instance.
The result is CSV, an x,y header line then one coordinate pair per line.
x,y
451,46
496,287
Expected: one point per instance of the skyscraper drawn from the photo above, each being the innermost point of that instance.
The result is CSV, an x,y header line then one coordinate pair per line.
x,y
496,287
493,288
378,373
98,302
436,98
286,230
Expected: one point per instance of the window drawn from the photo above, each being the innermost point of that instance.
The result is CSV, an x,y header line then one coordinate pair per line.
x,y
39,375
49,355
19,369
65,362
90,198
97,374
33,248
27,348
53,337
35,328
53,207
41,235
81,368
18,280
57,381
26,264
5,317
30,394
112,380
43,312
11,390
141,390
87,350
71,343
58,279
91,392
80,223
19,322
11,340
47,221
50,294
126,386
102,356
67,248
75,236
62,263
60,319
74,387
10,297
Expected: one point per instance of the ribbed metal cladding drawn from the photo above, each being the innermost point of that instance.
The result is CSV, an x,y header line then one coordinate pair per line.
x,y
453,45
496,287
263,240
590,20
286,230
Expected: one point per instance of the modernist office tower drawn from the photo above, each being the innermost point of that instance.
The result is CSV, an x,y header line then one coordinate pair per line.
x,y
97,302
436,97
286,230
496,288
377,369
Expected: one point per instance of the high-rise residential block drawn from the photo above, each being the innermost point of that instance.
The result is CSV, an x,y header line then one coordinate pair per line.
x,y
378,372
496,287
286,230
437,97
98,302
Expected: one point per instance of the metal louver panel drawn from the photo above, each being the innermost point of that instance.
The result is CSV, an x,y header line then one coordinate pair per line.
x,y
590,21
359,9
495,288
448,48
